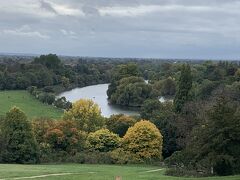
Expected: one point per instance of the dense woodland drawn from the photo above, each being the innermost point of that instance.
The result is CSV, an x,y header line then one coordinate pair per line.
x,y
195,134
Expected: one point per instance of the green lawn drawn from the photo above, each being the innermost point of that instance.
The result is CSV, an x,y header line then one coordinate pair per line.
x,y
91,172
31,106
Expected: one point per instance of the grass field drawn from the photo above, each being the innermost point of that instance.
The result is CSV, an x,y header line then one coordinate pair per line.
x,y
31,106
90,172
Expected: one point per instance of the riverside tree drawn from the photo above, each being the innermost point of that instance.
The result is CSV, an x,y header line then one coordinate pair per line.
x,y
87,114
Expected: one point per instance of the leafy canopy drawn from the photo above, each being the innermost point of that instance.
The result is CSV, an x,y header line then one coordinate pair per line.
x,y
143,141
87,114
19,144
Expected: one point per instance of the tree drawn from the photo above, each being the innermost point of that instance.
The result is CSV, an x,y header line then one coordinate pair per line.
x,y
102,140
65,82
51,61
132,91
120,72
48,98
19,144
87,114
62,103
217,139
120,123
163,116
168,87
206,88
64,136
184,87
150,107
143,141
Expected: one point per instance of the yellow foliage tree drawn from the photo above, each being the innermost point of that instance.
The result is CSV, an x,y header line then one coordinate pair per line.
x,y
143,142
102,140
87,114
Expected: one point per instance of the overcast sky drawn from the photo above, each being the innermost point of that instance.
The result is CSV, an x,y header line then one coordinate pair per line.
x,y
208,29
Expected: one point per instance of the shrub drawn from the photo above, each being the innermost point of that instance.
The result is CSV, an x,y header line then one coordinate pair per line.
x,y
102,140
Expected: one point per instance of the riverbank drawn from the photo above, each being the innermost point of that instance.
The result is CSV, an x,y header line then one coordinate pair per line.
x,y
30,105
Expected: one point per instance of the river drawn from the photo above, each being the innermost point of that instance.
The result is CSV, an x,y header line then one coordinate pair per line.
x,y
98,94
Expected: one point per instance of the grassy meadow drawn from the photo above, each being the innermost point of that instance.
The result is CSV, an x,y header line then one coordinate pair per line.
x,y
91,172
31,106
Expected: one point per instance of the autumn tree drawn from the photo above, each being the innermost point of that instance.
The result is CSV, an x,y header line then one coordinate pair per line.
x,y
102,140
64,136
87,114
40,128
143,142
19,144
184,87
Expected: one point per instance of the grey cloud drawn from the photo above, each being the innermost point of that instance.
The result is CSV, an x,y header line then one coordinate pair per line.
x,y
127,28
47,6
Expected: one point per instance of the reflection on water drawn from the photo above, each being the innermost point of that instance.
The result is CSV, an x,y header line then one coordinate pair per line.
x,y
165,99
98,94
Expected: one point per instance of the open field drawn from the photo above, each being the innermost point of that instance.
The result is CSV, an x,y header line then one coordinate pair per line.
x,y
31,106
90,172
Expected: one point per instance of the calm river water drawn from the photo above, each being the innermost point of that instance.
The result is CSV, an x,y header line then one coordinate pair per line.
x,y
98,93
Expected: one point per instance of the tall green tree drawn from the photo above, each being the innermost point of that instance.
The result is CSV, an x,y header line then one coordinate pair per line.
x,y
184,87
217,139
18,142
163,116
51,61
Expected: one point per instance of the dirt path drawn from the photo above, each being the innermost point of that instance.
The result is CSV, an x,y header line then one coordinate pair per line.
x,y
154,170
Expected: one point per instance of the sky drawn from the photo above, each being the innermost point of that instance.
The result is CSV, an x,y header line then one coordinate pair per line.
x,y
192,29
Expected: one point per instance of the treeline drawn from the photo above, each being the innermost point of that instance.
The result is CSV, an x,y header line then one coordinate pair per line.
x,y
81,136
47,75
127,86
49,70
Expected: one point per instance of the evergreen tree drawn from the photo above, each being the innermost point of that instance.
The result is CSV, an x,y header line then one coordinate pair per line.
x,y
19,144
184,86
218,138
